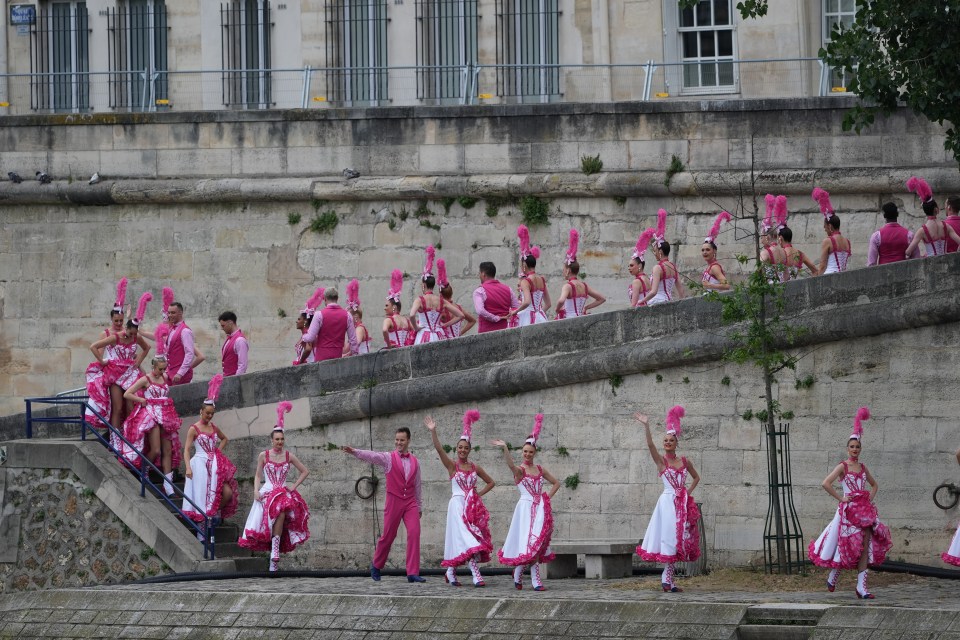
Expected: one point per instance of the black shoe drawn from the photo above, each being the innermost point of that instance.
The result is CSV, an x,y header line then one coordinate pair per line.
x,y
415,579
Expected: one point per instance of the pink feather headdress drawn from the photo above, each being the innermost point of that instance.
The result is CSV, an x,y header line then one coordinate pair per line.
x,y
723,216
661,234
142,308
396,285
428,263
471,416
353,295
523,234
213,390
442,280
535,251
780,211
673,420
573,246
160,334
535,434
920,187
313,302
166,299
282,409
771,201
863,413
121,295
823,199
642,243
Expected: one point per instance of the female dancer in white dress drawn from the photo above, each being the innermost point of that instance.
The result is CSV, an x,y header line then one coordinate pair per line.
x,y
468,539
116,368
458,327
353,306
528,540
397,328
154,426
773,258
279,518
574,293
532,287
855,538
429,308
640,286
665,285
714,278
672,534
211,477
835,250
952,555
933,233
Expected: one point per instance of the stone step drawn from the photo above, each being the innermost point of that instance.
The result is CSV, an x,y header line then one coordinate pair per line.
x,y
774,632
251,564
231,550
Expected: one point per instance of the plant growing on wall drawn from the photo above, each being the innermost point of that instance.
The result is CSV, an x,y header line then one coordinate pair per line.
x,y
325,222
534,211
591,164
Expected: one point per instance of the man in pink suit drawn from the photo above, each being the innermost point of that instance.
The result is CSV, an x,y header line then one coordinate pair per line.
x,y
328,328
403,502
181,350
493,300
235,348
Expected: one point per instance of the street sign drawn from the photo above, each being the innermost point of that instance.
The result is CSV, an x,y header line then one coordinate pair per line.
x,y
23,14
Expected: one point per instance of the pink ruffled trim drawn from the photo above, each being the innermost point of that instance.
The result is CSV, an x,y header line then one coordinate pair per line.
x,y
226,474
477,519
658,557
539,550
949,559
850,546
464,557
298,515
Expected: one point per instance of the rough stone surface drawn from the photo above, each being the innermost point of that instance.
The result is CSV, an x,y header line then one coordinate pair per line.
x,y
67,537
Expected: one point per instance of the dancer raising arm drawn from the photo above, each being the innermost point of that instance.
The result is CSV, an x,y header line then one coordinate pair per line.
x,y
528,540
672,534
855,538
468,537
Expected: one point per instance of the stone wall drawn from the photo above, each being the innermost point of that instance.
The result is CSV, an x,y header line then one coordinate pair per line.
x,y
58,533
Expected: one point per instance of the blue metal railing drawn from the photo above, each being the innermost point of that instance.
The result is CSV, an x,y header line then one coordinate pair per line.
x,y
205,528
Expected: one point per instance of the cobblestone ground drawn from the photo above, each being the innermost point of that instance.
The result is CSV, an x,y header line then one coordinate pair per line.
x,y
892,590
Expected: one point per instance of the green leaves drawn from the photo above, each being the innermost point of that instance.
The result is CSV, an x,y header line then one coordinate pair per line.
x,y
898,53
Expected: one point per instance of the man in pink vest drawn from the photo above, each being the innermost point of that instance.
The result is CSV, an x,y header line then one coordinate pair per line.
x,y
181,350
953,219
403,502
890,242
235,347
328,328
493,300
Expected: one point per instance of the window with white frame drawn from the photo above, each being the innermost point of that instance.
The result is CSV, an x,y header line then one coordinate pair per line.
x,y
706,37
137,52
528,49
60,58
837,14
356,50
446,47
245,25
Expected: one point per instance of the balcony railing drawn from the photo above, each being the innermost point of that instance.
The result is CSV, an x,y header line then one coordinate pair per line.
x,y
315,88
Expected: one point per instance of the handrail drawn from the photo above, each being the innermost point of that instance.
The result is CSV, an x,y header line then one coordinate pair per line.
x,y
209,550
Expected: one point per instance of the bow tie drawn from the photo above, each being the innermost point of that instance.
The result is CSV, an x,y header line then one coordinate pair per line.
x,y
404,455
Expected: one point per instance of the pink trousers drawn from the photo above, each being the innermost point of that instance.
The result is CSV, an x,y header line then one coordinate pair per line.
x,y
394,511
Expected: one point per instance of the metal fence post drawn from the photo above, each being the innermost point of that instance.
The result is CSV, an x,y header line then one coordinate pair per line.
x,y
307,73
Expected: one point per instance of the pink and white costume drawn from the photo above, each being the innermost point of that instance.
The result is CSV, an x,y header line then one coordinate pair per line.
x,y
528,540
399,337
211,470
120,370
644,289
276,499
429,321
453,330
707,277
934,247
952,555
468,522
159,410
234,354
404,503
533,314
180,353
672,534
574,305
363,346
837,261
666,286
841,543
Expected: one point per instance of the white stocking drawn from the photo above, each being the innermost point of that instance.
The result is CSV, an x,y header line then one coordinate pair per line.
x,y
475,570
518,573
833,577
535,575
451,574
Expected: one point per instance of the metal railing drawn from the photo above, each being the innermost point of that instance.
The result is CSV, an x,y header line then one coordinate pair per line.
x,y
318,87
204,528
